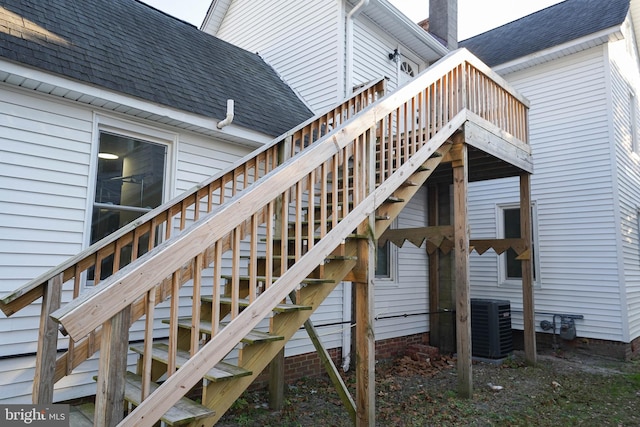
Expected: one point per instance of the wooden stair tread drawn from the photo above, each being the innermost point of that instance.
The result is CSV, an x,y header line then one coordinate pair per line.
x,y
222,370
280,308
393,199
184,411
350,236
252,337
307,281
293,257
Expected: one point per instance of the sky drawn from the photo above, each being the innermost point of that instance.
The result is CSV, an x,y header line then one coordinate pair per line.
x,y
474,16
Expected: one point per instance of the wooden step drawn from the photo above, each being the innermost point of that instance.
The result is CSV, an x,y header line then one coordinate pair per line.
x,y
253,337
185,411
393,199
222,371
280,308
307,281
293,257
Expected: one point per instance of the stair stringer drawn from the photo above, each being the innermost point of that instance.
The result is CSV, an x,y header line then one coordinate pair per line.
x,y
391,212
219,396
222,343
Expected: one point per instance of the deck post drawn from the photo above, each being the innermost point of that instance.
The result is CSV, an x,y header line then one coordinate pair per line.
x,y
112,370
461,253
528,305
277,365
365,339
47,343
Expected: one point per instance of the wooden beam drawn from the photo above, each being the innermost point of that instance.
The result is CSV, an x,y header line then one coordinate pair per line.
x,y
461,251
434,274
365,340
434,234
276,382
528,305
495,141
329,366
331,369
47,343
112,369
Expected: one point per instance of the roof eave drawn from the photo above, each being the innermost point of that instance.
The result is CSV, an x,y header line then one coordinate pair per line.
x,y
21,76
215,14
406,31
595,39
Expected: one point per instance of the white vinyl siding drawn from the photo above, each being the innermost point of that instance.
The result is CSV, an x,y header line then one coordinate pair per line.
x,y
44,156
573,189
371,55
408,294
625,84
46,187
300,42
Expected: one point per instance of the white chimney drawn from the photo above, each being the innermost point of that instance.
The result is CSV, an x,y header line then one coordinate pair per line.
x,y
443,21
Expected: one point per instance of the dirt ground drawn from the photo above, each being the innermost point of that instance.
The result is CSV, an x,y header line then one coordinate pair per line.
x,y
562,390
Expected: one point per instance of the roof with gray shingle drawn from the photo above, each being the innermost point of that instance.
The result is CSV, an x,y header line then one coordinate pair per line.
x,y
555,25
132,48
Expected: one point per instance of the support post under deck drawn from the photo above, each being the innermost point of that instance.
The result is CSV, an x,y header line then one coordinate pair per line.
x,y
527,270
461,237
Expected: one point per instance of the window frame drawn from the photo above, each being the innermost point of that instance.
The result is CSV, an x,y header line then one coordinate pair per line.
x,y
103,123
392,277
503,280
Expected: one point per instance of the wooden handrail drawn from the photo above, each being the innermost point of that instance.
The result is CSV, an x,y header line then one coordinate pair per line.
x,y
393,136
193,203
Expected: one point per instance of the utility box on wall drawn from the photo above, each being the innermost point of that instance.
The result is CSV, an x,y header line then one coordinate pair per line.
x,y
491,335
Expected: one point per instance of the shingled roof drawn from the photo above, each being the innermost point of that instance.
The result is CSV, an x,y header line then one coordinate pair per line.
x,y
555,25
132,48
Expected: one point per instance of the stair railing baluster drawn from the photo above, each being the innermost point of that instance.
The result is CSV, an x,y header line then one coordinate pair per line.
x,y
146,362
196,304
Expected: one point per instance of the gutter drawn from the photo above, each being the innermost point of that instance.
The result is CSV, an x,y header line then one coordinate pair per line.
x,y
348,81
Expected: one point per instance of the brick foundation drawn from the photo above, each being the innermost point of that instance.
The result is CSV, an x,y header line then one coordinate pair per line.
x,y
613,349
309,364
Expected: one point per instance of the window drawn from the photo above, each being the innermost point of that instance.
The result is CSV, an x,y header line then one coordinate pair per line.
x,y
510,268
383,261
406,68
130,177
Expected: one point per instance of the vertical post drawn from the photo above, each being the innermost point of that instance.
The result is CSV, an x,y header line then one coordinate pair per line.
x,y
527,270
47,343
365,301
434,272
276,367
461,236
112,370
365,339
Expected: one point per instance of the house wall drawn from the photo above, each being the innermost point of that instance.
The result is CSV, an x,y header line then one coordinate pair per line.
x,y
298,42
47,153
402,303
371,55
573,191
625,89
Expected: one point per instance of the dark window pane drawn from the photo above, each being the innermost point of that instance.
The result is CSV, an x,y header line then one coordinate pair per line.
x,y
383,261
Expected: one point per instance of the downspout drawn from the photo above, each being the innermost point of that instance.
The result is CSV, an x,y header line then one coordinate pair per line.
x,y
348,81
347,313
229,118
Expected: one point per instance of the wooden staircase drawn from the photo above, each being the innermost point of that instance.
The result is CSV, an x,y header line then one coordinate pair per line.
x,y
288,223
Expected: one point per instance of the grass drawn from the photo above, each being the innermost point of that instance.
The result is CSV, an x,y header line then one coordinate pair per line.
x,y
557,392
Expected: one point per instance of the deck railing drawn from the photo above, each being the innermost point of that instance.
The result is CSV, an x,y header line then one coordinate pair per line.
x,y
160,225
338,182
